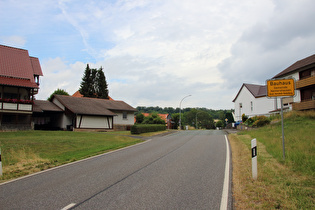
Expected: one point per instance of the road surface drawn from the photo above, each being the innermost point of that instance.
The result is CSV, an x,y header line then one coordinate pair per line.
x,y
183,170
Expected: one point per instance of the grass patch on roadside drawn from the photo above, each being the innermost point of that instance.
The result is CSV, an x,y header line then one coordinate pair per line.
x,y
288,184
26,152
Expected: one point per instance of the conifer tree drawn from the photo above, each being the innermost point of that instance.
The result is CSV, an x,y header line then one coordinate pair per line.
x,y
86,83
94,83
101,84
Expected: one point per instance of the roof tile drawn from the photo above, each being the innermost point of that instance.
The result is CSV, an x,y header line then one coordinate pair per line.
x,y
15,64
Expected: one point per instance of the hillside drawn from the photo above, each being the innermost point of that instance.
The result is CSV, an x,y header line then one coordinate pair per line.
x,y
288,183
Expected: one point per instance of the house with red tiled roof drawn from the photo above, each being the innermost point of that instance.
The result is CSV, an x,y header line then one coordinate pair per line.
x,y
19,83
79,95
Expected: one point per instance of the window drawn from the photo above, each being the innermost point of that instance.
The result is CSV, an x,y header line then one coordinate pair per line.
x,y
125,115
241,105
251,106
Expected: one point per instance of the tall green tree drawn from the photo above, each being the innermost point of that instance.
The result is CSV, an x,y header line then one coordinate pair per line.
x,y
94,83
101,84
86,86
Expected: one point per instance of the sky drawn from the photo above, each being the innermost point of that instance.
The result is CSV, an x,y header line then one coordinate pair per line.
x,y
157,52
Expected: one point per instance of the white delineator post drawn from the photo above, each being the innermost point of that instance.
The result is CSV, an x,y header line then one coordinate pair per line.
x,y
254,158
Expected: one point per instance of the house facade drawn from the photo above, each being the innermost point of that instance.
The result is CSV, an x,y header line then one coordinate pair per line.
x,y
81,113
252,100
19,83
303,71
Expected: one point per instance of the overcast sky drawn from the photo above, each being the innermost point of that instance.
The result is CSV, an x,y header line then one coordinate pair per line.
x,y
156,52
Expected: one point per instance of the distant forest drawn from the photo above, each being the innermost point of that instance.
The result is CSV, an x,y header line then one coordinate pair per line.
x,y
216,114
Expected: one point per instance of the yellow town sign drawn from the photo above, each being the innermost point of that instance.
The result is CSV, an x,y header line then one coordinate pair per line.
x,y
282,87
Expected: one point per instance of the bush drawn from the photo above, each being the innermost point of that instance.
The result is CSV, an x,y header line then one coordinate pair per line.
x,y
145,128
153,119
244,118
261,121
257,121
219,124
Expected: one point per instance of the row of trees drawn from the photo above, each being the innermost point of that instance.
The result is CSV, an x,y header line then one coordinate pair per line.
x,y
215,114
197,118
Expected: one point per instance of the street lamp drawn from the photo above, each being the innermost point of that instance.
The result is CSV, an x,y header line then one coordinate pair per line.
x,y
180,112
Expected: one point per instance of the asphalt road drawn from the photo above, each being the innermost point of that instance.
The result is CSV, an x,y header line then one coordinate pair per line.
x,y
183,170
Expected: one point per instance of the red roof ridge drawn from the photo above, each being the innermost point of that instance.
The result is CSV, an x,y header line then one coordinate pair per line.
x,y
13,47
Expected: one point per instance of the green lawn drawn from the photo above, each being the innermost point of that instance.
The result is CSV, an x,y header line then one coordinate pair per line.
x,y
288,184
26,152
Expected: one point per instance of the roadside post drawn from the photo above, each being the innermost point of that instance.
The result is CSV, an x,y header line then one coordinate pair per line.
x,y
254,158
0,164
281,88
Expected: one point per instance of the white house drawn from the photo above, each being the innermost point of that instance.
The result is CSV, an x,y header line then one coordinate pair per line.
x,y
252,100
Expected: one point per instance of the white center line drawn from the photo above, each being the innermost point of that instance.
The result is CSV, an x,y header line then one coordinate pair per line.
x,y
69,206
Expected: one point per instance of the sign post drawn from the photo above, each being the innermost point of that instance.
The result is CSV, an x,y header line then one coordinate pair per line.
x,y
254,158
281,88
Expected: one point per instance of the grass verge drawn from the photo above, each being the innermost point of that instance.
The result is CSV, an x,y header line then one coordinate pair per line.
x,y
26,152
288,184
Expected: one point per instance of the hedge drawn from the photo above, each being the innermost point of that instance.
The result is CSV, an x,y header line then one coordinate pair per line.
x,y
146,128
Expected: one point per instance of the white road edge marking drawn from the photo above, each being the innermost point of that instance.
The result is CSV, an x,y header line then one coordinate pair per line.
x,y
225,191
69,206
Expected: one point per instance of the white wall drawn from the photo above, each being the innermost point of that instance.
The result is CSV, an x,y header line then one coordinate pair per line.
x,y
93,122
296,76
119,120
252,106
65,120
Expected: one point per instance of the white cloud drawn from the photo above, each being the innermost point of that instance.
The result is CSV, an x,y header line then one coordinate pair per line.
x,y
59,74
268,47
13,41
156,52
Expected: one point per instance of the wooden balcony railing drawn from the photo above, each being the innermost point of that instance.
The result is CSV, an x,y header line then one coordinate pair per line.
x,y
304,105
305,82
16,105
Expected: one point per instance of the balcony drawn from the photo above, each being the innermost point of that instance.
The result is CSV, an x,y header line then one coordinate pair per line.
x,y
304,105
9,105
305,82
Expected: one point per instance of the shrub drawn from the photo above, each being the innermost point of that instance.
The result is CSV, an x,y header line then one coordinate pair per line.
x,y
244,118
139,118
153,119
219,124
261,121
145,128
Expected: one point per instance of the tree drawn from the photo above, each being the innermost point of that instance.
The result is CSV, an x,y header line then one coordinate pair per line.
x,y
93,84
153,119
219,124
175,119
58,92
101,84
139,118
86,85
230,117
